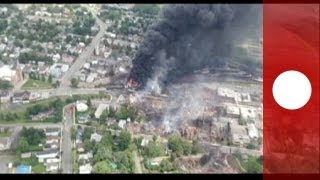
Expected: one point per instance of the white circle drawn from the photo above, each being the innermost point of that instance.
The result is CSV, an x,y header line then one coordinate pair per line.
x,y
291,90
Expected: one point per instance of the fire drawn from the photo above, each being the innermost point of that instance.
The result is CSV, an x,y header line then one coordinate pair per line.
x,y
132,83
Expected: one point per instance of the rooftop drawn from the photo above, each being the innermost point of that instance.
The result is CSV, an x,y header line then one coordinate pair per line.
x,y
95,137
225,92
248,113
85,169
100,109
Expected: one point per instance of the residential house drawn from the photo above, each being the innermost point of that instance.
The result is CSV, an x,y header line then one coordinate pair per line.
x,y
79,136
68,59
226,95
144,142
81,106
95,137
122,123
100,109
80,147
248,113
52,139
4,96
34,96
26,155
52,164
87,156
43,115
243,98
21,97
56,71
52,131
56,57
64,68
47,154
86,66
85,169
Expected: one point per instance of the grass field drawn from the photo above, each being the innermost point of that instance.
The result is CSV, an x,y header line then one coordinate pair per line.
x,y
36,84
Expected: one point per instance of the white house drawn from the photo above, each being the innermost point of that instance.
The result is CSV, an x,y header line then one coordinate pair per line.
x,y
85,169
81,107
122,123
95,137
56,57
64,68
52,164
86,156
100,109
47,154
253,131
52,131
6,73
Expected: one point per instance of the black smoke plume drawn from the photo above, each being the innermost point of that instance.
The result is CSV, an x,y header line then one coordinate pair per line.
x,y
192,36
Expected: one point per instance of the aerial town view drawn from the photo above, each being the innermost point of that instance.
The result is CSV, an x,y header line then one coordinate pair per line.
x,y
130,88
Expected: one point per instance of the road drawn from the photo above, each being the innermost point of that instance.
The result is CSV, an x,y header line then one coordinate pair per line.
x,y
66,140
36,125
83,57
69,91
137,162
232,149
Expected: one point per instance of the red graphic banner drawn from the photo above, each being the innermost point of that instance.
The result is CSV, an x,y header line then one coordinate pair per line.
x,y
290,42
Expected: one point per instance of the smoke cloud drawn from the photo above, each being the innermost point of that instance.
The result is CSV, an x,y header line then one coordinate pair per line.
x,y
190,37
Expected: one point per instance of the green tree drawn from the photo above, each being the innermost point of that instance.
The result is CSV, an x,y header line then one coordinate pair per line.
x,y
103,117
3,25
5,85
196,147
102,167
39,168
154,149
179,145
124,140
73,133
23,145
87,132
125,161
103,153
69,38
166,166
74,82
90,145
126,112
253,165
33,136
